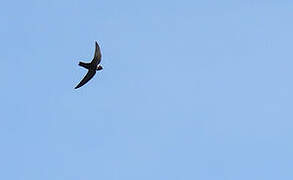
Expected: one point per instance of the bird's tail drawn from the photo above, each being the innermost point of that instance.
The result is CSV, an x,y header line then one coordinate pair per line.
x,y
85,65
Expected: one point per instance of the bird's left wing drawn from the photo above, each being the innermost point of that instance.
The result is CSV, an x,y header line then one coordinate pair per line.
x,y
86,78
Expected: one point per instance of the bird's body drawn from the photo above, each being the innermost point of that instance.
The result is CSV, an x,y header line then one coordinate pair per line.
x,y
92,67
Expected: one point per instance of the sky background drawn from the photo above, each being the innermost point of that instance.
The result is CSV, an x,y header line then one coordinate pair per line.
x,y
189,90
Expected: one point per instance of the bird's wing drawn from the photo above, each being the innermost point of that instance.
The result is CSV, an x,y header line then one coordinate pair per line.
x,y
98,54
86,78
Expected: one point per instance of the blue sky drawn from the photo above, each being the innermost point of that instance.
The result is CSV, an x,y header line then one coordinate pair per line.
x,y
189,90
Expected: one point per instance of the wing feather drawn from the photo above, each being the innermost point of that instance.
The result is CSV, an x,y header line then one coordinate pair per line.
x,y
86,78
98,54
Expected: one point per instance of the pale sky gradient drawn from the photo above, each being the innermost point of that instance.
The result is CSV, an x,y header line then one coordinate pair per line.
x,y
190,90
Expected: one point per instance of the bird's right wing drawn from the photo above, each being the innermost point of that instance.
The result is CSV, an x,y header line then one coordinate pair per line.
x,y
86,78
98,54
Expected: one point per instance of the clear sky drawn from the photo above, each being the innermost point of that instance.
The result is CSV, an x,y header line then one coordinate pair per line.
x,y
189,90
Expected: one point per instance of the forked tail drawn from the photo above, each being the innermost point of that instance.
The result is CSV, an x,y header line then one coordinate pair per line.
x,y
85,65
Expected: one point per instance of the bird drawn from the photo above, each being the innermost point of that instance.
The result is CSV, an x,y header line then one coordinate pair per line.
x,y
92,67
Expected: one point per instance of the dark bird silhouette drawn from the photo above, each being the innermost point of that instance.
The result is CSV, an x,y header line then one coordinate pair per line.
x,y
92,67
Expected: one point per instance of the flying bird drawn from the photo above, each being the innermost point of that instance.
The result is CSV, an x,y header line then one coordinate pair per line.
x,y
92,67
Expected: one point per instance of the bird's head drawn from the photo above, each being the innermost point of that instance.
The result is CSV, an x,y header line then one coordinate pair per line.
x,y
99,67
